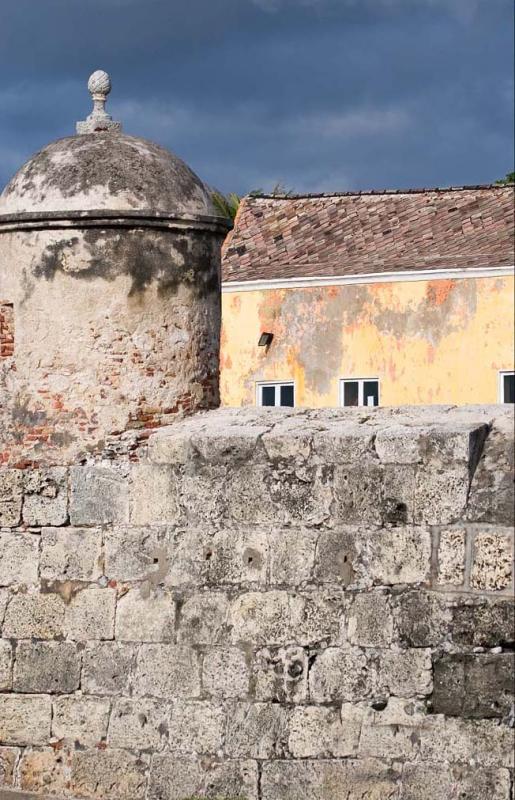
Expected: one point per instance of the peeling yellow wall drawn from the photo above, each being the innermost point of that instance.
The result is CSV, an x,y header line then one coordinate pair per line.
x,y
440,341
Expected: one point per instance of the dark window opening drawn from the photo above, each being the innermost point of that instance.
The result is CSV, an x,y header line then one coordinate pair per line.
x,y
276,394
359,392
508,387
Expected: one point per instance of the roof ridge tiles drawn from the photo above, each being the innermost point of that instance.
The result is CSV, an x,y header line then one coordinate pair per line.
x,y
378,192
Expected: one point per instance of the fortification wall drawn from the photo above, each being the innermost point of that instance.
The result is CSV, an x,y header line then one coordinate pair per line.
x,y
269,605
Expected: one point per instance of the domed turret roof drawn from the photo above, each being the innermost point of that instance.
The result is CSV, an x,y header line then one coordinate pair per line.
x,y
104,169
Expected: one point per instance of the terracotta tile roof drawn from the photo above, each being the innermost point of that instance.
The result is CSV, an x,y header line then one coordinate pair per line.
x,y
340,234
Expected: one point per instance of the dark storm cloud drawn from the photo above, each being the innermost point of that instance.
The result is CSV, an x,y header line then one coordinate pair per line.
x,y
317,94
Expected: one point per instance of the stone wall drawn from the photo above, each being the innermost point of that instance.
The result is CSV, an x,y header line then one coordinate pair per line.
x,y
268,605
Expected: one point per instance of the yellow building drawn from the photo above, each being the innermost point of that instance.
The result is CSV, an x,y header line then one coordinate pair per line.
x,y
373,298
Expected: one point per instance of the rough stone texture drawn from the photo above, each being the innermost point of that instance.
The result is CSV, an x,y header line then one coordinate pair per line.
x,y
25,719
90,615
6,653
98,496
46,667
107,668
474,685
71,554
265,605
11,497
451,556
46,497
142,616
80,719
492,567
18,558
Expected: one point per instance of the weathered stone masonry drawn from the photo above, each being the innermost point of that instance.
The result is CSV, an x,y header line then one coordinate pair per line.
x,y
269,605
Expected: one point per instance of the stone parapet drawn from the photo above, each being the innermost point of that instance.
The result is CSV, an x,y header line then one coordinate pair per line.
x,y
264,605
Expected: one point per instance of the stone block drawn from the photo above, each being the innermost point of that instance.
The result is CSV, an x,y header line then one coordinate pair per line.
x,y
337,556
204,619
44,770
71,554
482,622
339,674
389,736
177,779
423,619
165,670
34,615
346,442
319,732
107,668
258,730
492,564
492,490
398,555
90,615
144,615
46,667
430,781
25,719
302,496
451,556
225,673
264,617
19,558
109,775
280,674
405,673
391,733
80,719
322,617
441,494
399,444
6,657
196,728
370,621
230,556
292,556
11,497
139,724
46,497
330,780
99,496
473,684
4,598
277,618
136,553
231,441
154,495
358,494
247,497
203,494
399,492
480,742
9,757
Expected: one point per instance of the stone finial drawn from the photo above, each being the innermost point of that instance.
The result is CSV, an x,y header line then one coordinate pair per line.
x,y
99,86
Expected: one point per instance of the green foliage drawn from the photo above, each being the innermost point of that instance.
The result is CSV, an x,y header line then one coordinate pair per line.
x,y
227,205
278,189
508,178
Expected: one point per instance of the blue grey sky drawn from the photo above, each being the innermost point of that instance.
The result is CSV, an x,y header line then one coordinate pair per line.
x,y
319,95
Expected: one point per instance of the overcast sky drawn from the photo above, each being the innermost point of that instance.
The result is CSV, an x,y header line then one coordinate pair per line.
x,y
320,95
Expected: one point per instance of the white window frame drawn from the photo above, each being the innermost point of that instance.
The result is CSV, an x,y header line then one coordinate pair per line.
x,y
360,382
500,383
277,385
